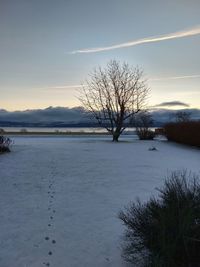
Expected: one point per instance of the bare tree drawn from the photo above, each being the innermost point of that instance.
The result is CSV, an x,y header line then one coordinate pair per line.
x,y
114,95
182,116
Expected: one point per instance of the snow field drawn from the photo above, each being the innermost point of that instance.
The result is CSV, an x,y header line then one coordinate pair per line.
x,y
60,196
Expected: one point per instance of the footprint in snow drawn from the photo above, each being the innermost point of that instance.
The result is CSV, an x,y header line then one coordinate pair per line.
x,y
46,263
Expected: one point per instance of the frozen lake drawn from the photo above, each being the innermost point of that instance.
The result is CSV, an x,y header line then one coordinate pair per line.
x,y
129,130
55,129
59,196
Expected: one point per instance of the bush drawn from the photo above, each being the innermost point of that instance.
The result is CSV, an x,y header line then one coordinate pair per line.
x,y
184,132
143,123
165,232
145,134
5,143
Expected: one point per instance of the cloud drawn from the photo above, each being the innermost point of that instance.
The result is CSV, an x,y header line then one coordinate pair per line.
x,y
76,86
57,116
47,115
176,77
63,87
172,104
161,116
175,35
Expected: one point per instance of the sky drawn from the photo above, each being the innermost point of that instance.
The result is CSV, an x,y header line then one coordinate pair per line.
x,y
48,48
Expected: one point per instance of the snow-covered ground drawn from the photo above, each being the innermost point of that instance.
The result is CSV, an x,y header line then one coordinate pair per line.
x,y
59,196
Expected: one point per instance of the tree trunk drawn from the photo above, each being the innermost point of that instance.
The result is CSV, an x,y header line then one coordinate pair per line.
x,y
116,135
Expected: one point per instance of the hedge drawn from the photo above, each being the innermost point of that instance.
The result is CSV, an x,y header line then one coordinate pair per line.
x,y
184,132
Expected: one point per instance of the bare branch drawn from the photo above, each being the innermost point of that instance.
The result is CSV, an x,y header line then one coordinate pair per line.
x,y
114,94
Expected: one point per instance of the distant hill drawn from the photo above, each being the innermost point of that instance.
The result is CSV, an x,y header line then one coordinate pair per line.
x,y
73,117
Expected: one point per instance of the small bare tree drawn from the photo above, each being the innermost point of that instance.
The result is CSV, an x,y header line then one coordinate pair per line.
x,y
114,95
182,116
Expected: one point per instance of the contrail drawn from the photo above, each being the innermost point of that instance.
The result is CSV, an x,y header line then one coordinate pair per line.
x,y
64,87
175,35
175,77
150,79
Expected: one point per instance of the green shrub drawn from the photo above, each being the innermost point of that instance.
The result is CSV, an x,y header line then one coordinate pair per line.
x,y
165,231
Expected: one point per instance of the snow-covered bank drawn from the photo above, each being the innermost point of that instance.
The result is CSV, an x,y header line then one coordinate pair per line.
x,y
59,196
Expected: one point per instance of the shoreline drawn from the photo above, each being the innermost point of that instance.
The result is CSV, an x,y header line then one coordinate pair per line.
x,y
53,133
